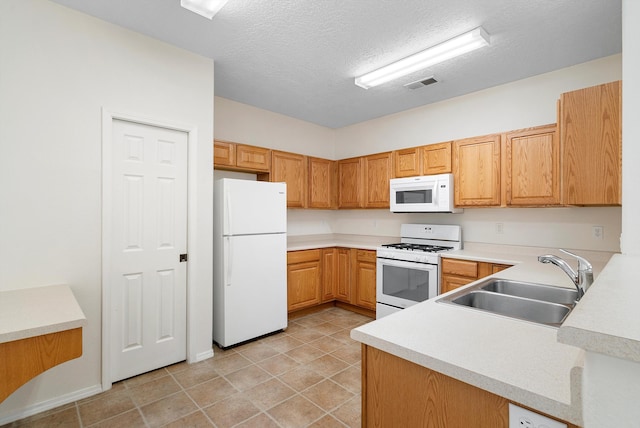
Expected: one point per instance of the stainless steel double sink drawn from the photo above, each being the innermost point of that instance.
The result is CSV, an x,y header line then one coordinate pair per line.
x,y
539,303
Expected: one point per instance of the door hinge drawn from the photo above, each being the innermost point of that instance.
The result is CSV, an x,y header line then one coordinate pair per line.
x,y
183,258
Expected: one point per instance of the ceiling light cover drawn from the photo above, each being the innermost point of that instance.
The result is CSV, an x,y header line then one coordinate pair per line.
x,y
452,48
206,8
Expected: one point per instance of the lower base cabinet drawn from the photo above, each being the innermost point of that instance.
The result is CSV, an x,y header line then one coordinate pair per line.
x,y
457,272
319,276
399,393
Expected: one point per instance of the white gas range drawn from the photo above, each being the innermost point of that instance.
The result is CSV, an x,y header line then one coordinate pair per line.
x,y
409,272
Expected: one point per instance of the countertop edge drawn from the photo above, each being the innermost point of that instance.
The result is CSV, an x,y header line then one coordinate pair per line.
x,y
67,318
568,411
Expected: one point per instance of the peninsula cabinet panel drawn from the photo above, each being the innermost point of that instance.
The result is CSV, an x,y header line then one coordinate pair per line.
x,y
304,279
476,171
532,170
323,183
408,162
291,168
591,140
457,272
436,158
399,393
378,170
350,187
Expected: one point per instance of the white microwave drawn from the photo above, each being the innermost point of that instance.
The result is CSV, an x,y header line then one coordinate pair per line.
x,y
424,194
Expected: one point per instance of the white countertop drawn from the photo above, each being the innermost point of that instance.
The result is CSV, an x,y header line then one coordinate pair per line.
x,y
515,359
607,320
307,242
36,311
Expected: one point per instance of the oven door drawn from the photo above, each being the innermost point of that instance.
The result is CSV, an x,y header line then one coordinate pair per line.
x,y
403,284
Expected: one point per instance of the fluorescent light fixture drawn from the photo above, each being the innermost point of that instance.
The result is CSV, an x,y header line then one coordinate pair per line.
x,y
206,8
452,48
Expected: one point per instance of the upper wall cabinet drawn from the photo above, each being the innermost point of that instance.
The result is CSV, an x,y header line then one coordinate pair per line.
x,y
291,168
476,171
350,188
591,140
378,170
531,168
323,183
232,156
424,160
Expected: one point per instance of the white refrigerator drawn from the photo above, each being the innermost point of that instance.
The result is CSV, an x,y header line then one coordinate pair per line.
x,y
249,260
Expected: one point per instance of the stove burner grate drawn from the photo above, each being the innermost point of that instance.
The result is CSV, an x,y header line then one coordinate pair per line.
x,y
419,247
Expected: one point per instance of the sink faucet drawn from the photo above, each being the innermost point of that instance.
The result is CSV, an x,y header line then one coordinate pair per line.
x,y
582,279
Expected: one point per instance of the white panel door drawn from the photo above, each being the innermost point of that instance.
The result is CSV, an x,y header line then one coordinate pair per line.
x,y
149,223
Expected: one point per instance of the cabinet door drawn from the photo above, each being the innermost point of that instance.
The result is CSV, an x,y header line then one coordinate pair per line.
x,y
323,183
291,168
378,171
532,170
408,162
350,194
365,279
451,282
591,140
437,158
224,154
253,158
303,279
476,170
329,273
343,284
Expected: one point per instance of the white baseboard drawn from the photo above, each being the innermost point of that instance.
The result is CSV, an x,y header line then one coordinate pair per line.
x,y
202,356
50,404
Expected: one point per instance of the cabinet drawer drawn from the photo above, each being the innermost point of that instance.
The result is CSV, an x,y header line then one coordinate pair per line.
x,y
366,256
460,268
303,256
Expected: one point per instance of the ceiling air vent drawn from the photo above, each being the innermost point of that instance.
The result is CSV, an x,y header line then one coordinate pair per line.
x,y
421,83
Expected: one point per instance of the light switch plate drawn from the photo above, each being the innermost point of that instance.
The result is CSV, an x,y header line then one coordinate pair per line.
x,y
523,418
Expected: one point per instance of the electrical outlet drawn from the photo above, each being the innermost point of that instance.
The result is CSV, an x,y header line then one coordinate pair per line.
x,y
523,418
499,228
598,232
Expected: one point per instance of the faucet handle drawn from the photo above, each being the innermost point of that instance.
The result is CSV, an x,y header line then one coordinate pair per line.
x,y
583,264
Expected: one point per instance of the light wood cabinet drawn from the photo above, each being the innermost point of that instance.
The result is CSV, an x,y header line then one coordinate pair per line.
x,y
378,170
436,158
304,279
240,157
343,278
364,272
329,274
591,140
531,169
457,272
399,393
476,171
350,187
408,162
291,168
323,183
423,160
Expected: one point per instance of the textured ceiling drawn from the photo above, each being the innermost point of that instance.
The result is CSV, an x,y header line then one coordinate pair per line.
x,y
299,57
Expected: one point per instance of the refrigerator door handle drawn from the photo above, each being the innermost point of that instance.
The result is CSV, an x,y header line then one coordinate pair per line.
x,y
227,217
229,253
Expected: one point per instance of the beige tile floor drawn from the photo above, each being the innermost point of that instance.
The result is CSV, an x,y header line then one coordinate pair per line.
x,y
307,376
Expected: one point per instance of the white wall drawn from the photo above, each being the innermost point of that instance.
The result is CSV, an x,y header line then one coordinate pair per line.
x,y
520,104
59,69
246,124
612,386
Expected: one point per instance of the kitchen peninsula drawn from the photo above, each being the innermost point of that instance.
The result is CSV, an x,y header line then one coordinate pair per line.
x,y
501,359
